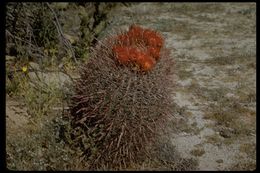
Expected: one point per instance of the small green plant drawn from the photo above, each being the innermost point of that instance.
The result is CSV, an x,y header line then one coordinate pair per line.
x,y
16,78
40,100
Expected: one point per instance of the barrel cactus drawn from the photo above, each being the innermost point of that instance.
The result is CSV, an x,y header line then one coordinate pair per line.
x,y
122,99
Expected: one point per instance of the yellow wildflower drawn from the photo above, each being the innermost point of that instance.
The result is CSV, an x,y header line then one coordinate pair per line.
x,y
24,69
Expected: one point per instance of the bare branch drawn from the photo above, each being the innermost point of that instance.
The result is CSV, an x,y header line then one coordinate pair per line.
x,y
59,29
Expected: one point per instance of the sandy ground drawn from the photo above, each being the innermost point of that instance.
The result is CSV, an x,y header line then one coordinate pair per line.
x,y
16,114
214,46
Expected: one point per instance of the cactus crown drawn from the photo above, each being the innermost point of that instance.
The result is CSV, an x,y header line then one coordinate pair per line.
x,y
139,47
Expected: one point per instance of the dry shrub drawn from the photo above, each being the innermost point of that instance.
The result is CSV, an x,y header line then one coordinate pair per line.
x,y
117,111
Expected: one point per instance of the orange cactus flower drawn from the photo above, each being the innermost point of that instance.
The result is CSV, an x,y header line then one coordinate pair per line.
x,y
146,62
143,60
153,39
154,52
126,50
123,39
121,54
135,31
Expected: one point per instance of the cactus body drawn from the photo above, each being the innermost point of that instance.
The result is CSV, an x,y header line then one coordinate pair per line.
x,y
117,111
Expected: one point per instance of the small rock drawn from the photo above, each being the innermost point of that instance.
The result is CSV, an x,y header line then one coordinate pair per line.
x,y
57,79
231,95
226,132
34,65
219,161
9,58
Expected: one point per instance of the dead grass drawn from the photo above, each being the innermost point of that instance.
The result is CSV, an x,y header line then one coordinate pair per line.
x,y
184,74
213,139
246,165
190,8
249,149
234,58
232,119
